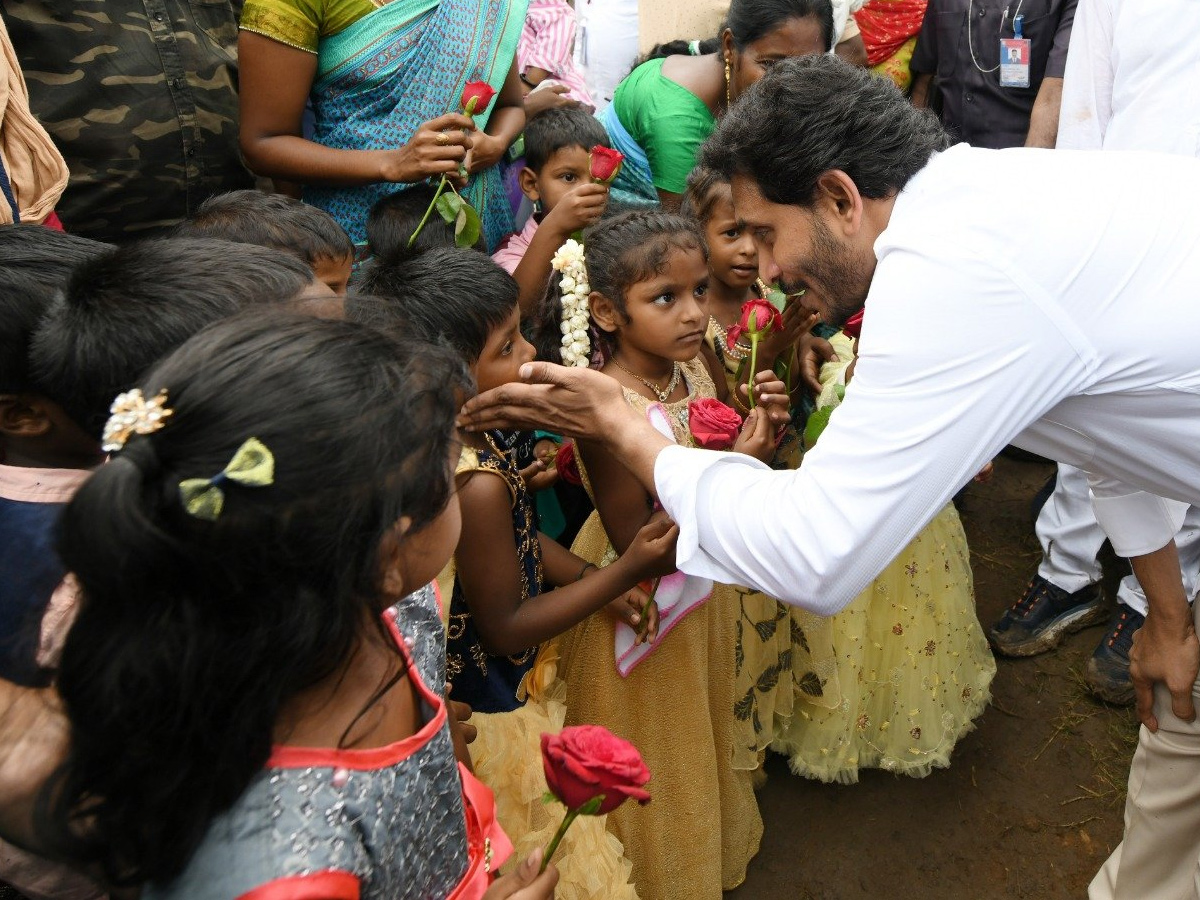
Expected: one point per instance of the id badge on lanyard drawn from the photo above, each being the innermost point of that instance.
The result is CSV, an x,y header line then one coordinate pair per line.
x,y
1015,55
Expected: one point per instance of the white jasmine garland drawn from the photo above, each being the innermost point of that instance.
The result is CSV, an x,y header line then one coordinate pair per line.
x,y
576,342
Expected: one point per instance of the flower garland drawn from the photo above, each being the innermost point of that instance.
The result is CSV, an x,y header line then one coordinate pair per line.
x,y
576,344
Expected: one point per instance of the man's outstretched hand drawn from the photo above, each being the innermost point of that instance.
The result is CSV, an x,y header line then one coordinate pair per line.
x,y
572,401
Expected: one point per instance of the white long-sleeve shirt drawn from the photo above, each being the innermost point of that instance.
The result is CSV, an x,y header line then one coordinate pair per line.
x,y
1049,299
1132,77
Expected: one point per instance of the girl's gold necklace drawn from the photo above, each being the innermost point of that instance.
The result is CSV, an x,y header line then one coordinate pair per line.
x,y
661,394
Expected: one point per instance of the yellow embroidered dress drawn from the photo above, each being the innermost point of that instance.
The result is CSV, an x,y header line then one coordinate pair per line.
x,y
784,654
914,666
507,754
702,825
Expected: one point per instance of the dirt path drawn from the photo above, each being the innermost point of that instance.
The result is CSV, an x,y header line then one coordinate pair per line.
x,y
1031,805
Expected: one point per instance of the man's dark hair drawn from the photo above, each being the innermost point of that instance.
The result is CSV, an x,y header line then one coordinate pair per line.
x,y
270,220
122,311
811,114
445,295
555,129
35,263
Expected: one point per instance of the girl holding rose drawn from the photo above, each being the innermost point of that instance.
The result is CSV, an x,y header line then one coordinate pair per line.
x,y
644,280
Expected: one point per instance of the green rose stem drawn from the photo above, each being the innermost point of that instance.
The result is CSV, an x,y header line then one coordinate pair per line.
x,y
588,809
412,239
753,365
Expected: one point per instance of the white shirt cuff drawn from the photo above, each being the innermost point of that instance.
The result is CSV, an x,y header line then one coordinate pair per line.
x,y
679,473
1139,523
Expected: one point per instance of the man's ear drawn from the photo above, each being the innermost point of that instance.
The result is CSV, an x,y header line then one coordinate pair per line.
x,y
604,312
839,200
22,415
527,181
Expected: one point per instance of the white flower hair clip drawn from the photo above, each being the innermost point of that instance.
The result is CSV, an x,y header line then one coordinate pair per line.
x,y
576,343
131,413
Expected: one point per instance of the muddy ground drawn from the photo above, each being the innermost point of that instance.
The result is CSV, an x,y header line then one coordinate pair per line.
x,y
1031,804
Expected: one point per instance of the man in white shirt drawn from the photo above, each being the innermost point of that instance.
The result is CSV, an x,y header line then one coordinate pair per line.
x,y
1049,299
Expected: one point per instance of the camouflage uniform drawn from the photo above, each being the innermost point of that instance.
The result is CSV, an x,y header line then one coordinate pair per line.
x,y
141,98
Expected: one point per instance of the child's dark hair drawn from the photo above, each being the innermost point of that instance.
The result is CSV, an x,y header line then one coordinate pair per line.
x,y
394,218
193,634
122,311
35,263
555,129
444,295
618,252
270,220
701,194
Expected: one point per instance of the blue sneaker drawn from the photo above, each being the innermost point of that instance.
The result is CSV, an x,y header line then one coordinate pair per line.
x,y
1043,616
1108,669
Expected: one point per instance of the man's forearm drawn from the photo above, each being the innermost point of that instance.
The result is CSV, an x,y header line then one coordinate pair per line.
x,y
637,443
1043,121
1161,578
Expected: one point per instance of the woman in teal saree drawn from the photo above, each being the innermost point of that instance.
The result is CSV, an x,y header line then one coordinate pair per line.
x,y
385,80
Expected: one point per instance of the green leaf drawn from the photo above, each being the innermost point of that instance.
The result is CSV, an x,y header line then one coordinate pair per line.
x,y
776,298
467,226
448,205
816,425
592,806
549,798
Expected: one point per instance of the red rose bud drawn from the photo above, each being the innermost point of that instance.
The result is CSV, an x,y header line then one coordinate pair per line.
x,y
583,762
853,326
476,97
604,165
566,465
714,425
759,317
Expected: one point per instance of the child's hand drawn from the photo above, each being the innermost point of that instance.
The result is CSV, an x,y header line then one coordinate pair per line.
x,y
550,97
771,395
628,608
652,552
525,883
812,352
757,438
461,732
797,321
985,474
579,208
545,450
539,475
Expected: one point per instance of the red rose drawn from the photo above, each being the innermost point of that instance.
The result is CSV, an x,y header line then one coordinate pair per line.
x,y
604,164
853,326
583,762
759,318
714,425
476,97
566,465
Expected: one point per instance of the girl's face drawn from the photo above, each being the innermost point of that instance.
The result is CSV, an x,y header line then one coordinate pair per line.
x,y
794,37
667,313
503,355
732,254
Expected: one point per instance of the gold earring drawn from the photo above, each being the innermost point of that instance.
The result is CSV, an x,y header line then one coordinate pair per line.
x,y
728,93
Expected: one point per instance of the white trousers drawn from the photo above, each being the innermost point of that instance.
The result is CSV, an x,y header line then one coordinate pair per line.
x,y
1071,538
1159,859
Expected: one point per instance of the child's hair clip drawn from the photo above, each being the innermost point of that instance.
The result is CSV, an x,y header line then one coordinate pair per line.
x,y
131,413
253,465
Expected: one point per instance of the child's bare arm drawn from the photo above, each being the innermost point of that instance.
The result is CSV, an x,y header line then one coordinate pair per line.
x,y
489,569
580,208
622,502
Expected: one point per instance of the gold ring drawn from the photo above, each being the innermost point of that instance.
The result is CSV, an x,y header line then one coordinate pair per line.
x,y
443,139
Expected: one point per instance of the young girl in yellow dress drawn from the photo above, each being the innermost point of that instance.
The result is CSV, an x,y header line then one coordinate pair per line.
x,y
642,284
512,588
786,653
913,663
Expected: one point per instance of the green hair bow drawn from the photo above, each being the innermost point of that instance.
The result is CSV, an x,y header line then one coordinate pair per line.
x,y
252,465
